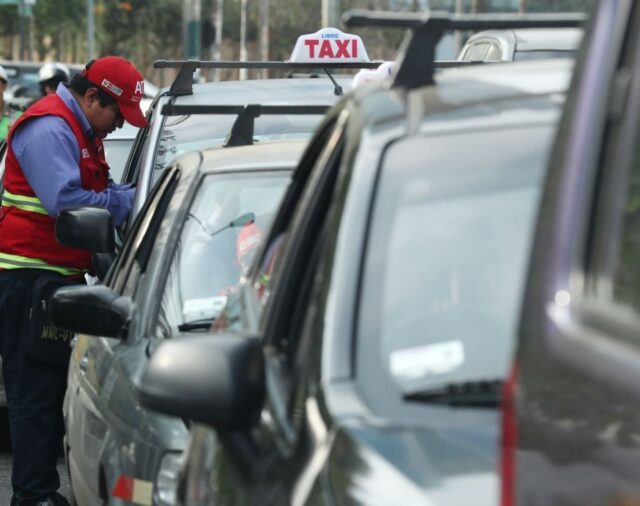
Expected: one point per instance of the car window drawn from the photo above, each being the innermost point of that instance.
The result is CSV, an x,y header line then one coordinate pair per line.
x,y
224,227
261,279
326,152
446,257
201,131
131,262
617,278
626,266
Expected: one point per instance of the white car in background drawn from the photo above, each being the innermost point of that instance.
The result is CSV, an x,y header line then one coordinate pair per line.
x,y
522,44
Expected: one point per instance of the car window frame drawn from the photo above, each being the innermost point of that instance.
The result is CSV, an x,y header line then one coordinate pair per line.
x,y
597,307
178,228
147,222
275,316
291,200
576,326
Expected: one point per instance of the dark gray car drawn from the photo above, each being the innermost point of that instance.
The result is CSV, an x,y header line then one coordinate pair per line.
x,y
379,321
572,417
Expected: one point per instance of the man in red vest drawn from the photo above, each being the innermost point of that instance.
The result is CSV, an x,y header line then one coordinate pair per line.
x,y
55,160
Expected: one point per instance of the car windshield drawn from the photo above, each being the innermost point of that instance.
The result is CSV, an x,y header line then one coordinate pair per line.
x,y
447,255
224,226
201,131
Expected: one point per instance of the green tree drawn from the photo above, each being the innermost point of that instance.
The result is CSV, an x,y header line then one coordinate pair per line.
x,y
140,30
58,24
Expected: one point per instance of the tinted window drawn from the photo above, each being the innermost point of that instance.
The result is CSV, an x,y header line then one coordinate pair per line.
x,y
222,232
447,255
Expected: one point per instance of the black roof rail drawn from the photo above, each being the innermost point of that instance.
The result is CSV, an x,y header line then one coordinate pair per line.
x,y
182,84
241,133
416,64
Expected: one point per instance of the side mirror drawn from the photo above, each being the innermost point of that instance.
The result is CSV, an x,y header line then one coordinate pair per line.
x,y
88,228
95,310
215,379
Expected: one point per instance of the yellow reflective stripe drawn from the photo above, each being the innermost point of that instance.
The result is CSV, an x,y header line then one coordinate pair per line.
x,y
23,202
8,261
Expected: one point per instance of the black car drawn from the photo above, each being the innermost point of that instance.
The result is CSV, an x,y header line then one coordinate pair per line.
x,y
362,361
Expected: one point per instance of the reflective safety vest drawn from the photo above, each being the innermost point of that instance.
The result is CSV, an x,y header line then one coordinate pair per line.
x,y
27,232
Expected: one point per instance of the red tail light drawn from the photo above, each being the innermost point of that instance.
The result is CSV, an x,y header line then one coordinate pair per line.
x,y
138,492
509,441
123,488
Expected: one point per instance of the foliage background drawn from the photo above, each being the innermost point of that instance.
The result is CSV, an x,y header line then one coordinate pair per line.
x,y
145,30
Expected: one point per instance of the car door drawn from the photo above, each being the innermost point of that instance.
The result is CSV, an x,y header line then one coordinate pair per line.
x,y
92,378
258,466
572,422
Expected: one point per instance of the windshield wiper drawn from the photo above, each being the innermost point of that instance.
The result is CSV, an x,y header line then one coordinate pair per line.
x,y
473,394
202,324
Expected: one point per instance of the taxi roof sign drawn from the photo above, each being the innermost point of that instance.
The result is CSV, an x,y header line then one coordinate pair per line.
x,y
329,45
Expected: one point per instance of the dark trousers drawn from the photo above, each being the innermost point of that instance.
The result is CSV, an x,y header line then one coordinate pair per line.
x,y
34,391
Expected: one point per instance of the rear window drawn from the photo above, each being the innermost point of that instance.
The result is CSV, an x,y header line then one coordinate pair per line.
x,y
448,247
201,131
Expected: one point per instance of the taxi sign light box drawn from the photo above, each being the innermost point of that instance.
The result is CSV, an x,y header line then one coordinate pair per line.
x,y
329,45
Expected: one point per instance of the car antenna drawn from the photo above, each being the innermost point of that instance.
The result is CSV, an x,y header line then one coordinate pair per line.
x,y
337,89
416,63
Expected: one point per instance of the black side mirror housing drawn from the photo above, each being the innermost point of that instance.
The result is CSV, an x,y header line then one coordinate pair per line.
x,y
215,379
89,228
95,310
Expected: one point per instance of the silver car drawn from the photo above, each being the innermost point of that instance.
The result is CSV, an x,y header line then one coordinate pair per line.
x,y
181,123
523,44
184,255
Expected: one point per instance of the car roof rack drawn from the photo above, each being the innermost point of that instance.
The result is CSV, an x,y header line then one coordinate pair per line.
x,y
241,133
183,83
416,64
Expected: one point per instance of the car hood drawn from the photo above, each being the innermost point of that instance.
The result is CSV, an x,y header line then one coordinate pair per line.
x,y
433,467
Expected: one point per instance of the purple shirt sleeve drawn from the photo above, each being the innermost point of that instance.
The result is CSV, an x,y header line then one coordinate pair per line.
x,y
49,155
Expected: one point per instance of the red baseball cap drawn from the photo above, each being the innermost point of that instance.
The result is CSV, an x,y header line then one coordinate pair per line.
x,y
120,79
